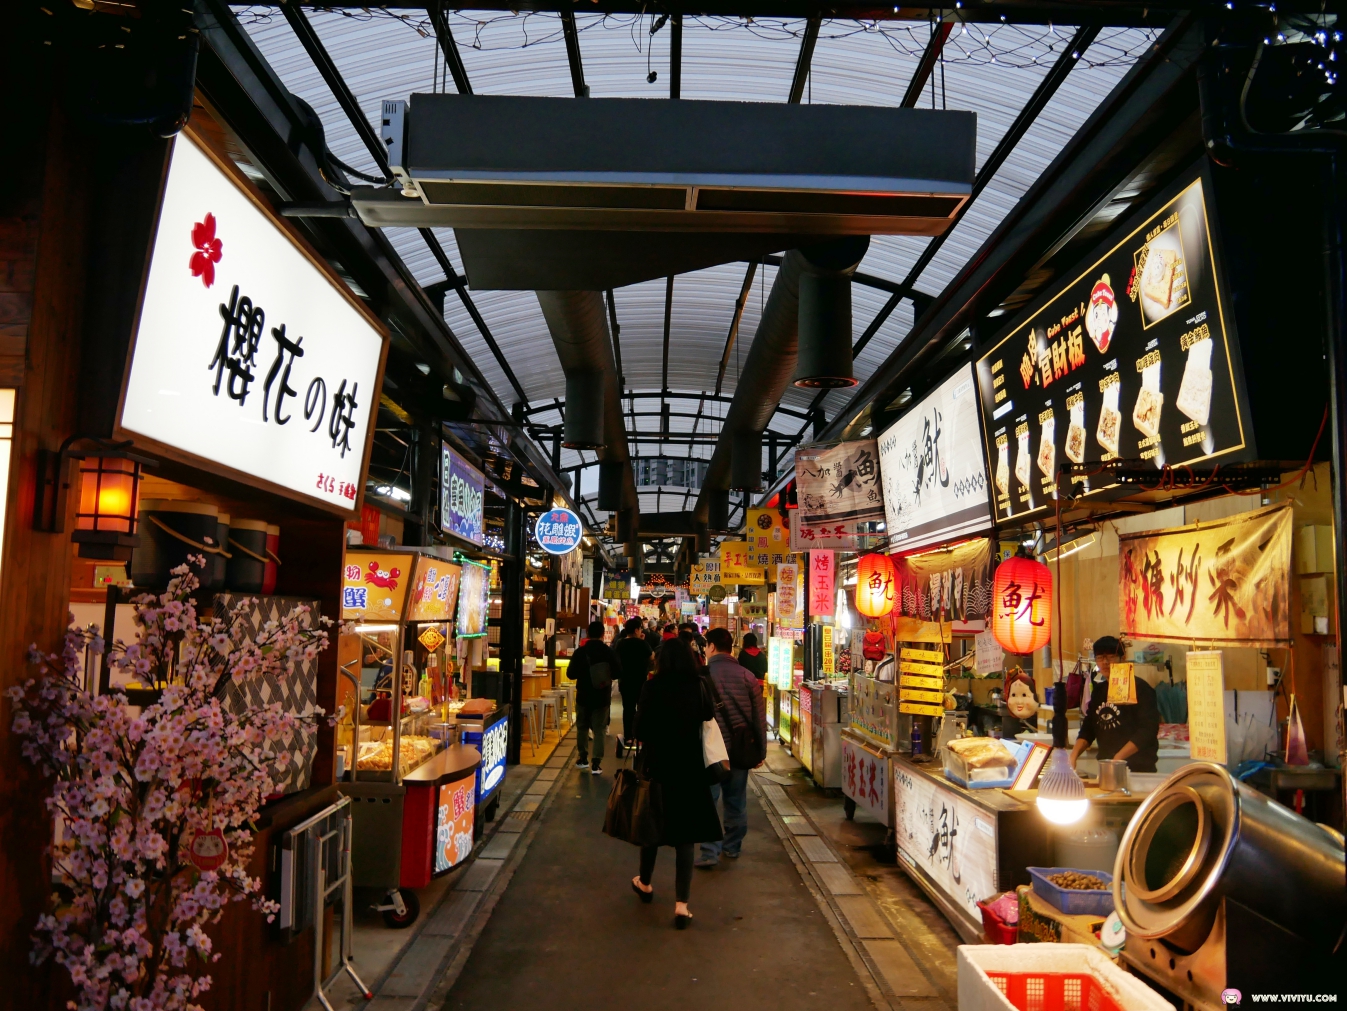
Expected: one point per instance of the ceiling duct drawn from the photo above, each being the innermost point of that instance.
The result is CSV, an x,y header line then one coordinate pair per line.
x,y
506,161
578,323
824,360
746,461
718,505
610,486
583,426
772,357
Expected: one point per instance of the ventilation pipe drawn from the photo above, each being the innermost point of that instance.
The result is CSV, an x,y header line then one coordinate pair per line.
x,y
746,461
578,323
583,427
772,358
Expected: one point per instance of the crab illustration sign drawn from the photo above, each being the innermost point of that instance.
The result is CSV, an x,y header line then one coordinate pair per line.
x,y
559,531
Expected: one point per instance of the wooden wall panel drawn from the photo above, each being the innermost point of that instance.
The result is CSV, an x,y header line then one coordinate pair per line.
x,y
44,248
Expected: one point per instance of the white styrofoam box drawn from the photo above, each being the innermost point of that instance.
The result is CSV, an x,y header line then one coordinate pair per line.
x,y
977,992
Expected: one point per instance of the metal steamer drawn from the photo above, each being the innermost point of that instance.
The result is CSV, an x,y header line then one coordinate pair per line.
x,y
1220,887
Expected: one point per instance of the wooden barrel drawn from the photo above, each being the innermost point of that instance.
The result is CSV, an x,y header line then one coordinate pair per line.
x,y
246,572
273,559
170,532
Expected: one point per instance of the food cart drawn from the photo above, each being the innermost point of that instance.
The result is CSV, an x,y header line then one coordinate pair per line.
x,y
412,784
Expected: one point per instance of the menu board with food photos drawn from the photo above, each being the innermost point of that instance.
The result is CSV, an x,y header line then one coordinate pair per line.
x,y
1135,358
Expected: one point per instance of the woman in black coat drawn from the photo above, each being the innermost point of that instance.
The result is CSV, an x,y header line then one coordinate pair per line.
x,y
674,704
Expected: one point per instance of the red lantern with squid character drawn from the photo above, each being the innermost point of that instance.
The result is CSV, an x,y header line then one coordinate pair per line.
x,y
1022,605
876,586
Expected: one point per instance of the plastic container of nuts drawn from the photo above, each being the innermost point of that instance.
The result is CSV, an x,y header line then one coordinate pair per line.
x,y
1074,891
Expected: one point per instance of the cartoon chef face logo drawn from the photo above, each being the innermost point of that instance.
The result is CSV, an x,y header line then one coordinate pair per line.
x,y
1102,315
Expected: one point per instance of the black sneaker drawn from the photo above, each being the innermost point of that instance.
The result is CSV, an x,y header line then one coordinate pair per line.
x,y
595,770
582,764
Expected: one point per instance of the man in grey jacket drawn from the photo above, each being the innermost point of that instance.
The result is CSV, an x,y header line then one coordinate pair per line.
x,y
743,723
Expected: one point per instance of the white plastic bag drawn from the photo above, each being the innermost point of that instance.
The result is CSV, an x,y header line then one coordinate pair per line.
x,y
713,744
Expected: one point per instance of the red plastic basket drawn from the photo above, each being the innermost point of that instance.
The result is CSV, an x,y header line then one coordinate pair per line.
x,y
996,929
1053,991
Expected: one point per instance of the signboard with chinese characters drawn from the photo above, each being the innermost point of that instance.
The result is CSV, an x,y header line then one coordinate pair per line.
x,y
839,483
1226,581
617,585
462,491
768,539
705,574
846,536
789,595
948,838
736,565
374,584
1135,359
558,531
865,779
494,746
934,469
434,591
1206,706
822,567
453,823
250,358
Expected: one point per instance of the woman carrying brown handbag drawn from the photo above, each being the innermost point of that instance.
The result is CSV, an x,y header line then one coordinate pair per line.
x,y
670,715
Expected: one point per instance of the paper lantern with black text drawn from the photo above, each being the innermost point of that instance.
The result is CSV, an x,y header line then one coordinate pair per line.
x,y
876,586
1022,605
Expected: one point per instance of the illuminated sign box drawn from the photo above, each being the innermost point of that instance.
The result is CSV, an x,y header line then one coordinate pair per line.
x,y
1135,358
250,357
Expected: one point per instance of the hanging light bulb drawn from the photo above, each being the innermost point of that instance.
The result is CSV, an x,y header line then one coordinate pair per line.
x,y
1061,794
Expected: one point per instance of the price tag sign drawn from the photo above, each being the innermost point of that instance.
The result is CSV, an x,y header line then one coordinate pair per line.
x,y
930,670
990,657
1122,686
912,695
1206,706
927,683
920,709
922,655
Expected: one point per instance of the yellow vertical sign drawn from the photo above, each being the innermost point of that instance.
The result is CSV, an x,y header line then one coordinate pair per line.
x,y
1206,706
828,665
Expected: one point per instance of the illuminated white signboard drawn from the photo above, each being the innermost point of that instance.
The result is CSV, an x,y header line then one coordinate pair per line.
x,y
249,356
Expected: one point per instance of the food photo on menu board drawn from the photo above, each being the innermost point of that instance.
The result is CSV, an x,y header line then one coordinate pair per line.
x,y
473,591
1135,359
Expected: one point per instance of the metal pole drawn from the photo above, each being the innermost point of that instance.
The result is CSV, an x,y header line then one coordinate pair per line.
x,y
396,712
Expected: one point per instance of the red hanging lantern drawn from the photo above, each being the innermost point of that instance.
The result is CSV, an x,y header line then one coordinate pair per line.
x,y
1022,605
876,586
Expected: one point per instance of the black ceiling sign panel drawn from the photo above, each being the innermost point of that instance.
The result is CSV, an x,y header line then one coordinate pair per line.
x,y
525,259
624,164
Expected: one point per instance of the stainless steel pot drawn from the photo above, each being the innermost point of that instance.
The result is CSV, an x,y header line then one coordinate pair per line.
x,y
1113,774
1202,836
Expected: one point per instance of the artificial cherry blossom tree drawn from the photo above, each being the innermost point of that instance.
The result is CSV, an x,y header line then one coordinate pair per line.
x,y
154,811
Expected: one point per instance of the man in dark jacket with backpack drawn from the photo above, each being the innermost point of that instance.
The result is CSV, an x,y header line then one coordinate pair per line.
x,y
742,716
593,668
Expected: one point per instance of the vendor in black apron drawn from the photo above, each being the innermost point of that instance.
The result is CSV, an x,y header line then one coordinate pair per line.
x,y
1126,732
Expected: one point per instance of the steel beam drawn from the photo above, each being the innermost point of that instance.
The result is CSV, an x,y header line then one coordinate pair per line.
x,y
739,304
456,282
452,58
805,59
308,38
676,56
572,36
926,65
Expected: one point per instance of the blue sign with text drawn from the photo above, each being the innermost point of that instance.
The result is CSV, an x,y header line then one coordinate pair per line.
x,y
559,531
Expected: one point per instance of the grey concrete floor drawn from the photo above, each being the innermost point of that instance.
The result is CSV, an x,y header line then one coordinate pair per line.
x,y
569,935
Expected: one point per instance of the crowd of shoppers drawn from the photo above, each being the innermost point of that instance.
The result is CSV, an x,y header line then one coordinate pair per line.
x,y
673,682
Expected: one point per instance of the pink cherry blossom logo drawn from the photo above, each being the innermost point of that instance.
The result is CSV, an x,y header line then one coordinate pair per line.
x,y
208,250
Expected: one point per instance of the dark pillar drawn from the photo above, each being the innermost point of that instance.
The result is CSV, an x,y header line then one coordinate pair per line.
x,y
512,619
425,473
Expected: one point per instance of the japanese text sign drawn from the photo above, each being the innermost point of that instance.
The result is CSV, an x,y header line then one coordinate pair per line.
x,y
822,580
462,488
374,584
1135,357
839,483
1227,581
933,467
248,355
